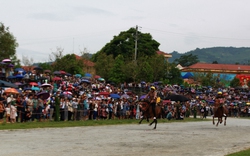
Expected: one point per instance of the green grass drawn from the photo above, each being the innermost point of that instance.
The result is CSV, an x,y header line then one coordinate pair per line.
x,y
61,124
241,153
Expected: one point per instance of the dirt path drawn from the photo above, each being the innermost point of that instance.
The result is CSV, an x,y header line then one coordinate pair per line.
x,y
178,139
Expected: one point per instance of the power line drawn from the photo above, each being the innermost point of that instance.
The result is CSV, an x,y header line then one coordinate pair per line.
x,y
183,34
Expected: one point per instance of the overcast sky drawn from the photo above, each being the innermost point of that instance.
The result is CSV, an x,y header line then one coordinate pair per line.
x,y
178,25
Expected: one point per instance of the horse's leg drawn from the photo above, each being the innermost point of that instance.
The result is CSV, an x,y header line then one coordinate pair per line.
x,y
141,119
147,119
225,120
218,121
152,122
155,123
213,120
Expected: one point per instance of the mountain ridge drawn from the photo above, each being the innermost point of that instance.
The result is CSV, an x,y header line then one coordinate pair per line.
x,y
222,55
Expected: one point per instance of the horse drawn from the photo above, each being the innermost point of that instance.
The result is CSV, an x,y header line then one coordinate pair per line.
x,y
146,108
219,113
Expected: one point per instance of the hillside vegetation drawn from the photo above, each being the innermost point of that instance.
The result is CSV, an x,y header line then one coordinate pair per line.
x,y
223,55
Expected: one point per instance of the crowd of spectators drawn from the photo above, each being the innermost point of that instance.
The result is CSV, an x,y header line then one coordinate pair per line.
x,y
96,99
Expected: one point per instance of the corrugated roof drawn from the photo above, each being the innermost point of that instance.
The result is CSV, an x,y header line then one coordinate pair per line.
x,y
219,66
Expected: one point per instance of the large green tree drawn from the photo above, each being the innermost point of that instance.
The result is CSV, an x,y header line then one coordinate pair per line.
x,y
124,44
8,45
187,60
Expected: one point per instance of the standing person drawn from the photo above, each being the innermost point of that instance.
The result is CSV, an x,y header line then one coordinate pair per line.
x,y
40,109
91,108
95,110
1,111
7,111
19,108
110,108
52,108
66,105
30,102
70,109
118,109
75,106
62,105
13,113
152,95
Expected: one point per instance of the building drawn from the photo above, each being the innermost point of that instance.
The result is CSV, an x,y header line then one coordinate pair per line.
x,y
166,55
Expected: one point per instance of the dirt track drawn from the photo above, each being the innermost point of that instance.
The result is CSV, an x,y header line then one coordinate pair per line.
x,y
178,139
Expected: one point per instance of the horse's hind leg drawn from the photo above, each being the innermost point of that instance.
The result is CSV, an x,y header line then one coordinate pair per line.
x,y
152,122
225,121
213,120
218,122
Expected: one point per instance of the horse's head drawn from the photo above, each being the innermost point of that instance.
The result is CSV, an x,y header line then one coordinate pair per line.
x,y
144,104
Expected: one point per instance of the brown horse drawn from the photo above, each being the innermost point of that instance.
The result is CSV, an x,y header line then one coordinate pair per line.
x,y
219,113
148,112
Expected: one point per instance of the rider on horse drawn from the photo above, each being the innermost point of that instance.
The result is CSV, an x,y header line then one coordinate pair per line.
x,y
219,101
152,95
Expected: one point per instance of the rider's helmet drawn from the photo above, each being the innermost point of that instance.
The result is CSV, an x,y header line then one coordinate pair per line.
x,y
152,88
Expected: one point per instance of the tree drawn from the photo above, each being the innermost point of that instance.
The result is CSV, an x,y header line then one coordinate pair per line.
x,y
58,54
8,44
116,72
104,64
124,44
187,60
69,64
235,82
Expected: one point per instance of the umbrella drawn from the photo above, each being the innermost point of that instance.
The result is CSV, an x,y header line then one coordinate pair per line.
x,y
56,73
101,79
10,65
125,96
97,77
43,95
104,93
6,60
56,79
33,84
35,88
11,77
143,96
46,85
38,68
177,97
115,96
18,83
11,90
85,81
7,84
67,93
62,72
19,76
78,75
87,75
47,71
19,70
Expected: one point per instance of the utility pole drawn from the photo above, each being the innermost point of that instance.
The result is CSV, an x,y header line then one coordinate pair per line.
x,y
136,38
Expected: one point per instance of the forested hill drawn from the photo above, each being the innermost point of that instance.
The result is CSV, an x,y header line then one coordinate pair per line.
x,y
223,55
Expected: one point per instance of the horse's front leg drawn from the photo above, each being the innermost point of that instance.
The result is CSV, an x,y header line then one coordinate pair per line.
x,y
141,119
213,120
225,121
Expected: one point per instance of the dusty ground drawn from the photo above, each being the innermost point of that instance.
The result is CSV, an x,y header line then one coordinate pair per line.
x,y
178,139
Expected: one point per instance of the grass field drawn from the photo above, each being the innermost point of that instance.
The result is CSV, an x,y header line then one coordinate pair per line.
x,y
58,124
241,153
